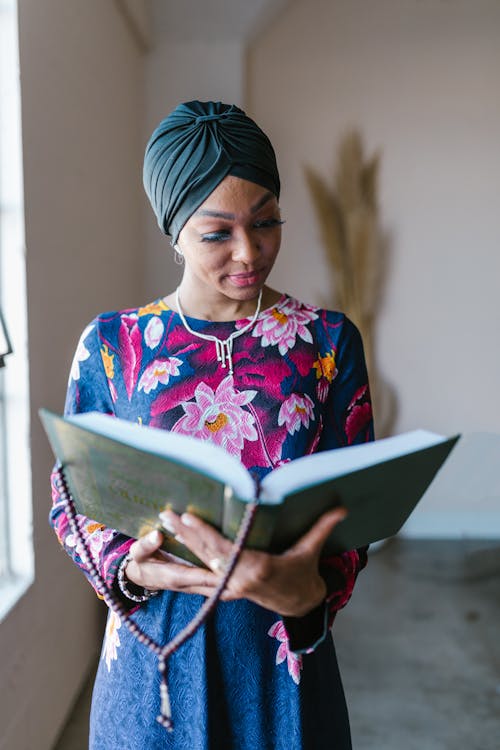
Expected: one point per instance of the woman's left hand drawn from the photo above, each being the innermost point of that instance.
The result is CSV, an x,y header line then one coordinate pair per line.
x,y
289,584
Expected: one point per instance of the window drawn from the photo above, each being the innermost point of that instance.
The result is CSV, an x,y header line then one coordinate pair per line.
x,y
16,554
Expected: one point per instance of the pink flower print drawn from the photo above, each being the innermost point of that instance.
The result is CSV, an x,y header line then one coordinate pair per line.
x,y
153,332
81,354
296,412
294,661
218,416
130,340
95,536
113,391
159,371
98,536
111,639
326,371
281,325
359,414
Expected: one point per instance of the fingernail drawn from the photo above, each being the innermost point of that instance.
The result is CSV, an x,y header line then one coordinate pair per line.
x,y
166,523
187,519
154,537
179,538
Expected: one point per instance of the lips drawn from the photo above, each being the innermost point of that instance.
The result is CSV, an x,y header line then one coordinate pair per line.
x,y
246,279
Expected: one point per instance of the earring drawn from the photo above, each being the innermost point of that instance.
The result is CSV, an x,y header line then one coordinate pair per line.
x,y
178,255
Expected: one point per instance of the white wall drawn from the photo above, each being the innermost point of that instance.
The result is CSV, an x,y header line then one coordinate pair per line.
x,y
197,52
179,72
420,78
82,101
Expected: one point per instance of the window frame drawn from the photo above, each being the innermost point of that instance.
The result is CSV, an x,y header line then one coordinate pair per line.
x,y
16,554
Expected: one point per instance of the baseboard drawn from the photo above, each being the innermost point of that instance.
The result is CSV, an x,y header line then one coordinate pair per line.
x,y
452,525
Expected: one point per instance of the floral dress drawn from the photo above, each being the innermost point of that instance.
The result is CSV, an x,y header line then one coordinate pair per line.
x,y
248,679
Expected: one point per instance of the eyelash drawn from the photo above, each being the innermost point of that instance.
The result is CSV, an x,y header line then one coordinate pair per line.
x,y
222,236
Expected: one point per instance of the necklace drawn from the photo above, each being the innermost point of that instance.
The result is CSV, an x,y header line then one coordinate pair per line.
x,y
223,347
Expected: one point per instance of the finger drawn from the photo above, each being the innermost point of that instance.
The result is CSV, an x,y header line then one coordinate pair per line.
x,y
313,540
181,578
146,546
155,573
201,538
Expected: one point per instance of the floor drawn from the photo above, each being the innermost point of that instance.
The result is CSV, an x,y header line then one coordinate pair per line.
x,y
419,649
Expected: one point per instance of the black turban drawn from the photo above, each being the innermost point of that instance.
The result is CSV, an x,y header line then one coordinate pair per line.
x,y
191,152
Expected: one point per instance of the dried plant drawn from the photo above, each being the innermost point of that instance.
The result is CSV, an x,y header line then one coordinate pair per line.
x,y
347,214
355,247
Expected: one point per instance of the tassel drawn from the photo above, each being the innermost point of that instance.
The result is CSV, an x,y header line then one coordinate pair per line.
x,y
165,716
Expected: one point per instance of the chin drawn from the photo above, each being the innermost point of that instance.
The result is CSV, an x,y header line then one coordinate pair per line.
x,y
243,293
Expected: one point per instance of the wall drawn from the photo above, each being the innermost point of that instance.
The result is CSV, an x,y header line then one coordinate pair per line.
x,y
82,101
178,72
197,52
419,77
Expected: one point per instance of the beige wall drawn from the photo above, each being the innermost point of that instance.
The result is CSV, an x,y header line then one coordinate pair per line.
x,y
420,78
82,101
178,72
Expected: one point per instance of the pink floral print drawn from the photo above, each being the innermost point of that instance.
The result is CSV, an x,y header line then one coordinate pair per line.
x,y
129,338
294,661
296,412
281,325
359,414
219,416
326,372
153,332
96,536
159,371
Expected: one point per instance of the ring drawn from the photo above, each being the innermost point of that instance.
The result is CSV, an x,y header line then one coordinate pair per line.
x,y
217,564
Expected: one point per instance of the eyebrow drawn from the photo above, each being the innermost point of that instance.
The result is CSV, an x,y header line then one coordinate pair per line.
x,y
224,215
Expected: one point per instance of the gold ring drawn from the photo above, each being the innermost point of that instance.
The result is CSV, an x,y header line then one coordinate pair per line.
x,y
217,564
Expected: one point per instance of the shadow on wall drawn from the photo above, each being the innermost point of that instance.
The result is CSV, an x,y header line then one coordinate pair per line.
x,y
358,251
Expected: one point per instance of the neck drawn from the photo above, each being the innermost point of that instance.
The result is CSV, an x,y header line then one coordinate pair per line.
x,y
214,307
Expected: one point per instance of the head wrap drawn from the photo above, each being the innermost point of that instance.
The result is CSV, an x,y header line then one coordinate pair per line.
x,y
193,149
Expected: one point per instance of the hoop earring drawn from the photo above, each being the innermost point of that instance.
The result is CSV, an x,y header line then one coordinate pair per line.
x,y
178,256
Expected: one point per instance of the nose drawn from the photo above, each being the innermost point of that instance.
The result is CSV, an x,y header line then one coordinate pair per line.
x,y
246,248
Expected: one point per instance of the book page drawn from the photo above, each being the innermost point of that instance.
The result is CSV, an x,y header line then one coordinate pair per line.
x,y
319,467
200,455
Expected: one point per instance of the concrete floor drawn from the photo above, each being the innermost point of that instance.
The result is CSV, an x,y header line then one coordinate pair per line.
x,y
419,649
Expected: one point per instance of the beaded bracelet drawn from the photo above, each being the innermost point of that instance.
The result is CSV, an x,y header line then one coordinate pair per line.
x,y
123,583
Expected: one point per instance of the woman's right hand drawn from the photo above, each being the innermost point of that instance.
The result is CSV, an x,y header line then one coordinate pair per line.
x,y
152,568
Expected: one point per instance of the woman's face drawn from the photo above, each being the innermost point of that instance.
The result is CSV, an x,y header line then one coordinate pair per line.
x,y
231,241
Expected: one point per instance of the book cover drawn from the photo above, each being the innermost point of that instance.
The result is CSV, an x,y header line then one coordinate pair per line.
x,y
123,475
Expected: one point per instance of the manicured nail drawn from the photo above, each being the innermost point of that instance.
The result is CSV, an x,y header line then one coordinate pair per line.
x,y
179,538
187,519
166,523
154,536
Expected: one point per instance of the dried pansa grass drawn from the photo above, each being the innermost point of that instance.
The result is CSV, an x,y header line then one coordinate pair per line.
x,y
348,219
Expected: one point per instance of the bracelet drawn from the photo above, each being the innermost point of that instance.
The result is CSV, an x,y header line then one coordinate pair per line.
x,y
123,584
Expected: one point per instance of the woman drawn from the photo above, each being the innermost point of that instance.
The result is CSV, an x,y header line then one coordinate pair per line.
x,y
229,359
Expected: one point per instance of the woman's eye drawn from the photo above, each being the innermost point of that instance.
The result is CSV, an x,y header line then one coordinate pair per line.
x,y
267,223
215,236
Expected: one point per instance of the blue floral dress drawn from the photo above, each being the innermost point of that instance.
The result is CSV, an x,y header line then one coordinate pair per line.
x,y
249,679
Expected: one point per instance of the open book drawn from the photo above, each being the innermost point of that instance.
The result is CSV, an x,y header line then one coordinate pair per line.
x,y
123,475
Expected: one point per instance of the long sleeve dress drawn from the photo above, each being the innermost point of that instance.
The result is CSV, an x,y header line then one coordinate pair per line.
x,y
249,679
